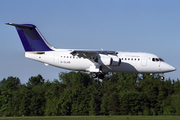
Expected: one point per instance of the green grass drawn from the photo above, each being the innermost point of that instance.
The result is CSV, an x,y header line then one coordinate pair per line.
x,y
94,118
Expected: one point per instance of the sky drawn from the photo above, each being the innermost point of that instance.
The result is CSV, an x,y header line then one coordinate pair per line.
x,y
151,26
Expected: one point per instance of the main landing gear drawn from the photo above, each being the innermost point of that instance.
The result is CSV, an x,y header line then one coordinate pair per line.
x,y
99,75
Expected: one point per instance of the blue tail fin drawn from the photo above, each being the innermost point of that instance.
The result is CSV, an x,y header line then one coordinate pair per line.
x,y
31,38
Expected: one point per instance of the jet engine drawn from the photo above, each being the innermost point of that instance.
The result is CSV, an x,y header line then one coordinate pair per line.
x,y
116,60
105,60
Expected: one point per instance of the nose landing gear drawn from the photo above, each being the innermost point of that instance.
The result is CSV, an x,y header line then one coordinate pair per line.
x,y
162,77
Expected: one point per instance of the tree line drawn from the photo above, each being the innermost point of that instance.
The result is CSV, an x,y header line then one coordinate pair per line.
x,y
77,93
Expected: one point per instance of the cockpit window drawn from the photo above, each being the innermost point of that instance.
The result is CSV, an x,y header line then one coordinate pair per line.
x,y
157,59
161,59
153,59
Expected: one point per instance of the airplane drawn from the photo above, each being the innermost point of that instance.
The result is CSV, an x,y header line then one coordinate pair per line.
x,y
98,62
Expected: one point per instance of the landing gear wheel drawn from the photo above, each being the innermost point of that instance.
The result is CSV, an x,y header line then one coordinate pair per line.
x,y
101,76
162,77
94,75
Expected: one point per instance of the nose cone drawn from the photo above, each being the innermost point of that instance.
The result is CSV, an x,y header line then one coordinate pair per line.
x,y
171,68
167,68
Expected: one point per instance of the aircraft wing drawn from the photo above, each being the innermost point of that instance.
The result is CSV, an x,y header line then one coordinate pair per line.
x,y
91,53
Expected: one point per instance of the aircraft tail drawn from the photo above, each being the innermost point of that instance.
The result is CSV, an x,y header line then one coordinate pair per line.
x,y
31,38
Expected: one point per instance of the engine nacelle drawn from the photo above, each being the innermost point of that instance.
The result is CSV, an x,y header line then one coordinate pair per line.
x,y
105,60
116,60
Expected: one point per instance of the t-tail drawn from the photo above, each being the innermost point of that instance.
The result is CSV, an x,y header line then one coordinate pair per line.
x,y
31,38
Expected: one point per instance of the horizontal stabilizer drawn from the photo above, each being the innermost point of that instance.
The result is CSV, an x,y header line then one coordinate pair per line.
x,y
19,25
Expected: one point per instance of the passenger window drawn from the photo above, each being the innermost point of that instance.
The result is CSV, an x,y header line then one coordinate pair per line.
x,y
131,58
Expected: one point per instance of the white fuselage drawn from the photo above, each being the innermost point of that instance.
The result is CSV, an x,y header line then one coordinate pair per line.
x,y
131,62
98,62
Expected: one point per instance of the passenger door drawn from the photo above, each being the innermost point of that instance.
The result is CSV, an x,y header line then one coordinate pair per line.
x,y
144,61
